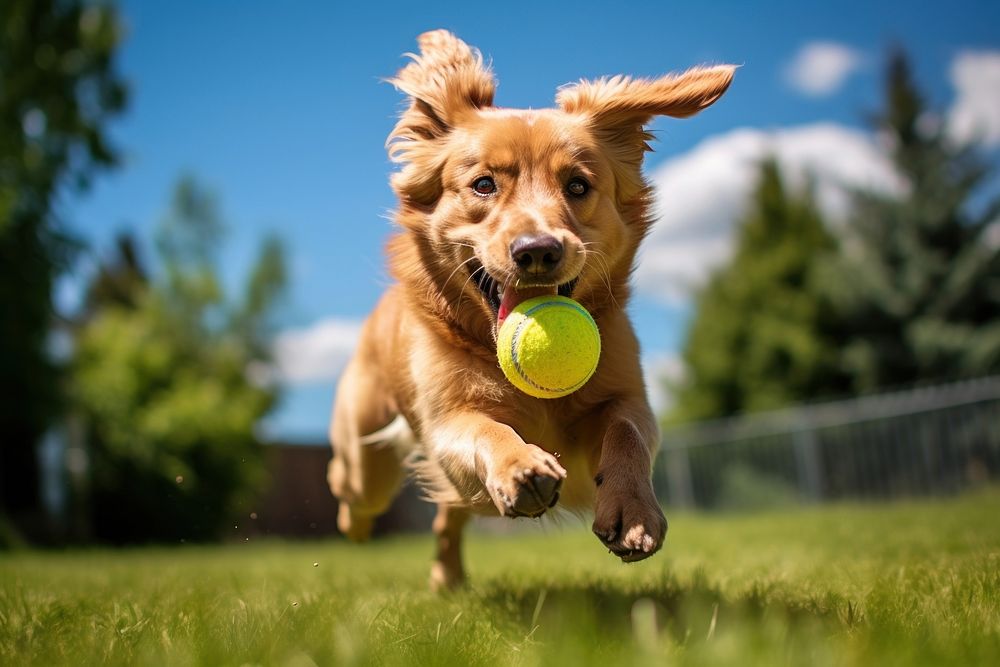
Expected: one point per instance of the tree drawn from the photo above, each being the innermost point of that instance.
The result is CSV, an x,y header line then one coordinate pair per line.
x,y
120,281
917,284
58,89
759,337
170,386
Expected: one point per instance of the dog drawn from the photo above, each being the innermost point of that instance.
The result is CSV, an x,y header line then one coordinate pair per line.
x,y
496,206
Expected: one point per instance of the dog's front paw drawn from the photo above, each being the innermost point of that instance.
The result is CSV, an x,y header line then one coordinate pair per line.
x,y
629,521
526,485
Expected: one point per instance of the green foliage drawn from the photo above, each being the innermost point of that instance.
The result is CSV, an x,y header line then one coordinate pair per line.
x,y
904,584
168,382
120,281
917,285
910,294
58,89
758,339
263,289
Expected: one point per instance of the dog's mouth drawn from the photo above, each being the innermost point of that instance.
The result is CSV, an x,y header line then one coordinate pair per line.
x,y
502,301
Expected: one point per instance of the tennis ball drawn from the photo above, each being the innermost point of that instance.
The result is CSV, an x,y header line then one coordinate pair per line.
x,y
548,346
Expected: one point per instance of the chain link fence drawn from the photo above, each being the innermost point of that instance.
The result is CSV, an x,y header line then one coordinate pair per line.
x,y
932,440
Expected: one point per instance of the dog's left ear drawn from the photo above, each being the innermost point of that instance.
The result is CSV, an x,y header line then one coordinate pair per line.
x,y
618,108
446,80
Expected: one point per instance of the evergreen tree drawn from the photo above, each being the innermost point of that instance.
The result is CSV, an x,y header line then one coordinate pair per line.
x,y
917,283
757,340
58,88
120,280
168,379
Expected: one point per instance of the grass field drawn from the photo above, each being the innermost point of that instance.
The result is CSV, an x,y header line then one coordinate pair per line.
x,y
908,583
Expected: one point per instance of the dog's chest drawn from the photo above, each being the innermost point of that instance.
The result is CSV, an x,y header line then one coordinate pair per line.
x,y
549,425
573,440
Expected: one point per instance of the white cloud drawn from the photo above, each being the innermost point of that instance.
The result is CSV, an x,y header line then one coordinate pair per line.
x,y
656,369
701,194
317,353
820,68
975,113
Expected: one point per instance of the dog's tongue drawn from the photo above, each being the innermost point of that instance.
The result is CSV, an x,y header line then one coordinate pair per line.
x,y
512,297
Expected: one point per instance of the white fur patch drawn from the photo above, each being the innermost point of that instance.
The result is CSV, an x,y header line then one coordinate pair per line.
x,y
396,433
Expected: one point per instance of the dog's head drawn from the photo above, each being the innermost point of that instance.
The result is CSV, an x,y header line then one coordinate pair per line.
x,y
504,204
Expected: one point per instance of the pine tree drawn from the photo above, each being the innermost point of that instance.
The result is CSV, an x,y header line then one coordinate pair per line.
x,y
120,279
917,283
757,340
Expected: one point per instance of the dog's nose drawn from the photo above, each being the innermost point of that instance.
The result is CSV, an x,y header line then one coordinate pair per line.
x,y
536,254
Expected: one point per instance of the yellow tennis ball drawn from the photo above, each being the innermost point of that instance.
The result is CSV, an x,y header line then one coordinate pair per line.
x,y
548,346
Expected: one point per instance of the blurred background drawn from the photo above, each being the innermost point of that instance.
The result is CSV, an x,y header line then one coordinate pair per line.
x,y
194,200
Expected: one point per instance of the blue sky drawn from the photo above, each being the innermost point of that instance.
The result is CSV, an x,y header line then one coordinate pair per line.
x,y
279,108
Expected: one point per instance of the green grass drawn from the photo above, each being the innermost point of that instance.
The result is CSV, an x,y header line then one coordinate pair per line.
x,y
908,583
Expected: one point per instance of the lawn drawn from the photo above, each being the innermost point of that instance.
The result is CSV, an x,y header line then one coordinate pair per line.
x,y
907,583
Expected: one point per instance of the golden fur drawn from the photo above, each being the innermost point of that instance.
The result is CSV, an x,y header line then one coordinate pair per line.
x,y
425,385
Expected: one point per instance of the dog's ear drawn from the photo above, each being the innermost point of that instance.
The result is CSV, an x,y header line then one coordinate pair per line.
x,y
618,108
444,81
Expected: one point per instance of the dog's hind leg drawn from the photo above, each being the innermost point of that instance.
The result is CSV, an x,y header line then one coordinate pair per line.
x,y
447,571
369,441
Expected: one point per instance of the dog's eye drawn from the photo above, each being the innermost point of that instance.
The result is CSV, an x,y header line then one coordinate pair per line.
x,y
484,186
578,187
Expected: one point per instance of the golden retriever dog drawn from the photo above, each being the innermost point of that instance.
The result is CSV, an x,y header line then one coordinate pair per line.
x,y
498,205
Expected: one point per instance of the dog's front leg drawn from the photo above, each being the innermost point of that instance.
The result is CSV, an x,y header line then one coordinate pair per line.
x,y
627,516
479,453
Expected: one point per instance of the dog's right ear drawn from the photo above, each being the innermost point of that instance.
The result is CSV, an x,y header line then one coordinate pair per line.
x,y
446,80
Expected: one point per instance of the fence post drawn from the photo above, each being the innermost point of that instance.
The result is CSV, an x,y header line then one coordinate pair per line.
x,y
679,489
807,464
